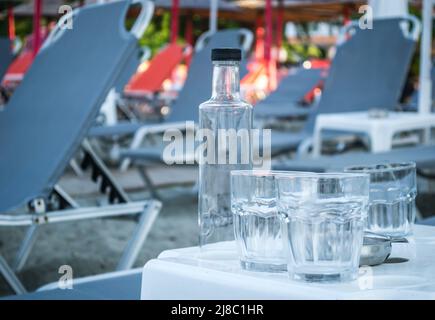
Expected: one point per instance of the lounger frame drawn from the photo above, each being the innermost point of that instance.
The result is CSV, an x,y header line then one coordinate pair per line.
x,y
69,210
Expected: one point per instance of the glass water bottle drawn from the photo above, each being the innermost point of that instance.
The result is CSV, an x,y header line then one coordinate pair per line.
x,y
225,122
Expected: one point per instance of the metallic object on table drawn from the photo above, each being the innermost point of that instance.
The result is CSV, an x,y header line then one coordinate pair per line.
x,y
377,248
378,113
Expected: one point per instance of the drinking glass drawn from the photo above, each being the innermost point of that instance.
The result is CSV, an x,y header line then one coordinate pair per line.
x,y
323,218
392,197
257,226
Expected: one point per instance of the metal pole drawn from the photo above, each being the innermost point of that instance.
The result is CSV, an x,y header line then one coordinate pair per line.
x,y
37,26
188,32
270,65
346,15
268,40
280,24
10,277
213,16
174,20
11,23
425,96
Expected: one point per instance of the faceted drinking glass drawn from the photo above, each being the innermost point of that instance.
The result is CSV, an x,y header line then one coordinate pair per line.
x,y
392,198
323,218
257,226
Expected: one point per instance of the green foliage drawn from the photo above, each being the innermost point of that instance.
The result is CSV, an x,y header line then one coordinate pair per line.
x,y
157,33
300,52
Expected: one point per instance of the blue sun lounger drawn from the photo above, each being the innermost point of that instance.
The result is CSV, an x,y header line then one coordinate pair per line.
x,y
118,285
368,71
6,55
424,156
47,120
290,92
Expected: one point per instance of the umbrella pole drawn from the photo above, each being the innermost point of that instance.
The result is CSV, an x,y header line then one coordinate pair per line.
x,y
279,24
268,38
268,46
37,26
188,32
425,96
174,20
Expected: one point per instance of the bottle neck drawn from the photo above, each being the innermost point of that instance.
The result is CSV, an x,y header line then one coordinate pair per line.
x,y
226,83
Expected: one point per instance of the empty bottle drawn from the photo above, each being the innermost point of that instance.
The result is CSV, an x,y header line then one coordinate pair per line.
x,y
225,123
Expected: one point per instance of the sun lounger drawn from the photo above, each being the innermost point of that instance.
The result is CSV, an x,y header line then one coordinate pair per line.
x,y
358,74
361,68
46,122
160,68
197,87
19,67
424,156
6,55
428,221
290,91
119,285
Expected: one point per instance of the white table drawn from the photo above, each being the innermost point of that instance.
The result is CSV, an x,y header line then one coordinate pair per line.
x,y
188,274
379,130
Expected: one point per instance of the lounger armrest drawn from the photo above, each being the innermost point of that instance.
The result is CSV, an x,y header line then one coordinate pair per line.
x,y
412,33
144,18
144,131
141,23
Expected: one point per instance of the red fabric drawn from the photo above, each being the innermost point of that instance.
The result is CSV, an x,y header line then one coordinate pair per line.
x,y
19,66
256,69
160,69
320,63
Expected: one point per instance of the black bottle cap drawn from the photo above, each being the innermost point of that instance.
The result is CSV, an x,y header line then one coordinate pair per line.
x,y
226,54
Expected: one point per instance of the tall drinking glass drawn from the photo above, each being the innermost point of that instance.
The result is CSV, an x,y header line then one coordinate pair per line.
x,y
323,219
392,197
